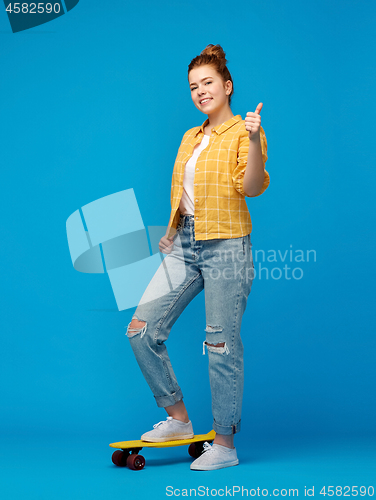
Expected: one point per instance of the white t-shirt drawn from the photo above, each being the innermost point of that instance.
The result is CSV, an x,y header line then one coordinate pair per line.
x,y
187,205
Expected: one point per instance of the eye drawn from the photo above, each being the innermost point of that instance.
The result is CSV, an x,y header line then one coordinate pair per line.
x,y
206,83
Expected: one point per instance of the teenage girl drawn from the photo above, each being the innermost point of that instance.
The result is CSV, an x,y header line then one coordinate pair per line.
x,y
208,247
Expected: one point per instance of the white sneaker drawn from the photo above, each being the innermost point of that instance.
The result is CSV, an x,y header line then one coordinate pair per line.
x,y
215,457
168,430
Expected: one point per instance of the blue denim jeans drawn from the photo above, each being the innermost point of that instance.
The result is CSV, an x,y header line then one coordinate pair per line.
x,y
224,269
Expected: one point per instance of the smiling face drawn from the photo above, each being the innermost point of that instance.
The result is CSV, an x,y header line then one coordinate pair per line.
x,y
208,90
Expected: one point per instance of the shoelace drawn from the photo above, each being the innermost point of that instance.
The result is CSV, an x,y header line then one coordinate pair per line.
x,y
207,446
162,422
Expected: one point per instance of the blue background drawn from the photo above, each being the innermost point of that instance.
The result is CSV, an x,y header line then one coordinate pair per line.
x,y
96,102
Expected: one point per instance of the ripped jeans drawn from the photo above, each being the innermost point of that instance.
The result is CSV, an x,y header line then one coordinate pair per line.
x,y
224,269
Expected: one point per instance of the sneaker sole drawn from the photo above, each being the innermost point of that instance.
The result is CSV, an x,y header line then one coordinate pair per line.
x,y
163,440
216,466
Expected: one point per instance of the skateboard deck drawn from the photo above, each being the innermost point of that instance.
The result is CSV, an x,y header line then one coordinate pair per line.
x,y
128,451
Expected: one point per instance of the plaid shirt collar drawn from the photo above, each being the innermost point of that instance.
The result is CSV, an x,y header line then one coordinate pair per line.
x,y
220,128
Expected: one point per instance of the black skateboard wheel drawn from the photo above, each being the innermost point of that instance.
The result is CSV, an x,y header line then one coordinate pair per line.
x,y
195,449
135,461
119,458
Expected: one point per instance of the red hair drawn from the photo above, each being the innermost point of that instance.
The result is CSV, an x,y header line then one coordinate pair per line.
x,y
214,56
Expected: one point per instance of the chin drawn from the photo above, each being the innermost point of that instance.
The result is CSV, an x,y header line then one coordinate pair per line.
x,y
200,109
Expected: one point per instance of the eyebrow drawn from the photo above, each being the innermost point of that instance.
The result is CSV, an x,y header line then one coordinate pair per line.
x,y
206,77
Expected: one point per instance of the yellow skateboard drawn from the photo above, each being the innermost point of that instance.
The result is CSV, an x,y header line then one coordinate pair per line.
x,y
128,454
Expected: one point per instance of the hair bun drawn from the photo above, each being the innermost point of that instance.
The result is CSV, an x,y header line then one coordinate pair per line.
x,y
215,51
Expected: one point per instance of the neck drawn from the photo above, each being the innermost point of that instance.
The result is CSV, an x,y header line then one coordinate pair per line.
x,y
220,116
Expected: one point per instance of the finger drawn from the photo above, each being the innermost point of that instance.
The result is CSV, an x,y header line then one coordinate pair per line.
x,y
254,125
254,119
259,108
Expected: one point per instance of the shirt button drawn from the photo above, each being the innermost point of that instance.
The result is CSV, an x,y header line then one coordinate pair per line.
x,y
196,168
196,200
196,218
195,184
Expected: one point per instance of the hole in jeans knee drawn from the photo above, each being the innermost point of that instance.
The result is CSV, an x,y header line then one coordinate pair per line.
x,y
136,327
220,344
213,329
219,347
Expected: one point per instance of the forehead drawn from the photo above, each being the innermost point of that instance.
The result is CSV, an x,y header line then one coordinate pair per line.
x,y
197,74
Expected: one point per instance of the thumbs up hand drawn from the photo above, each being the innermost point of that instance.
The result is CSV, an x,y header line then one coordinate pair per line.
x,y
253,122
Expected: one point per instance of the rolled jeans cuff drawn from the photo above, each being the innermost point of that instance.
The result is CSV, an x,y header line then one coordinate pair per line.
x,y
227,430
171,399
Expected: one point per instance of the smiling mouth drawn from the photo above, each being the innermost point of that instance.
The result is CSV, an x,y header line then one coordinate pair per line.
x,y
204,101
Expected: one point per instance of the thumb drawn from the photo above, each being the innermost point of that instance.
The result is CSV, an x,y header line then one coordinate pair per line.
x,y
259,108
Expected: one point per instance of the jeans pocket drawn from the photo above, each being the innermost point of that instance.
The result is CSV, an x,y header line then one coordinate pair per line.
x,y
179,228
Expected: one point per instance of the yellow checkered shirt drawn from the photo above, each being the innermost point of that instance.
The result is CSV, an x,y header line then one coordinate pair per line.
x,y
219,198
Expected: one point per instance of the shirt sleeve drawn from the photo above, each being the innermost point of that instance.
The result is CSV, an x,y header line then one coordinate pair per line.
x,y
181,148
173,221
239,171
